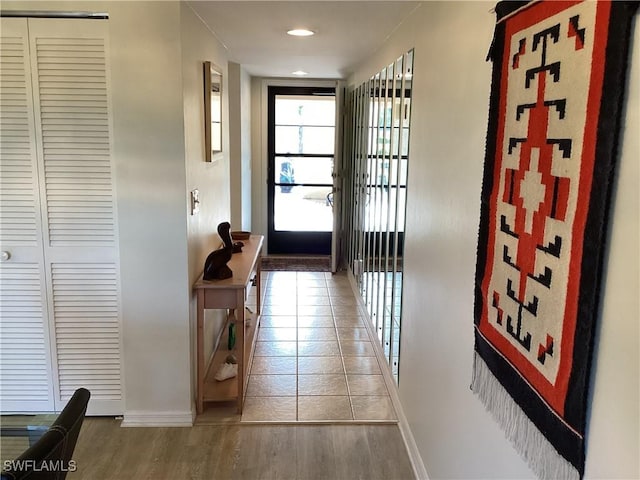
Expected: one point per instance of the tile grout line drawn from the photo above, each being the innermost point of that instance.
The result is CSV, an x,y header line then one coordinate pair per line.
x,y
344,368
297,357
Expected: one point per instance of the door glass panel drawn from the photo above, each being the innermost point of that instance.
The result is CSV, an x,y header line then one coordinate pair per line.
x,y
305,110
300,139
303,209
306,170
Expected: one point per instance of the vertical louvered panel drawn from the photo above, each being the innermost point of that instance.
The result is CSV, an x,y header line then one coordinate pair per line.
x,y
69,61
85,306
24,363
74,117
18,201
26,383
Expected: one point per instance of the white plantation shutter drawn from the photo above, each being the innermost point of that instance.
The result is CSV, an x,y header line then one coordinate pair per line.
x,y
17,201
75,139
69,65
26,382
85,306
24,362
75,205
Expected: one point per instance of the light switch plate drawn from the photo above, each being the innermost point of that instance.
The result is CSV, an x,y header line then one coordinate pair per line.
x,y
195,201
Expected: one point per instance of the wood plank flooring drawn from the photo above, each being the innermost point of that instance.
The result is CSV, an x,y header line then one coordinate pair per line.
x,y
240,452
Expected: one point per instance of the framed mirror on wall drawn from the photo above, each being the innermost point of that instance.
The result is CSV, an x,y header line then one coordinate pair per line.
x,y
212,112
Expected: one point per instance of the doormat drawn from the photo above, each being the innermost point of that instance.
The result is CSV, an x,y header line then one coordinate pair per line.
x,y
297,263
559,71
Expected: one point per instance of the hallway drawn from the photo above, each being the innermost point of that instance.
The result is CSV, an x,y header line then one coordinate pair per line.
x,y
112,157
314,360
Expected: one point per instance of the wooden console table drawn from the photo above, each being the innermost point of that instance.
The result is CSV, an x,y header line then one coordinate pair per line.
x,y
230,294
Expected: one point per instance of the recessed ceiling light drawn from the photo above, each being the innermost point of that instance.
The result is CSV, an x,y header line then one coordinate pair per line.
x,y
299,73
300,32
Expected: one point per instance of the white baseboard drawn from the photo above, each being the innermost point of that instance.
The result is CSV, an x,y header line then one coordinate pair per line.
x,y
157,419
417,464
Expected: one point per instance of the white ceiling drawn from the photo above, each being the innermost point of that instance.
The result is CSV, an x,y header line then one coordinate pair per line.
x,y
347,32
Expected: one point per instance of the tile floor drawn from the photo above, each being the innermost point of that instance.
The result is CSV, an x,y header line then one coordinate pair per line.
x,y
313,359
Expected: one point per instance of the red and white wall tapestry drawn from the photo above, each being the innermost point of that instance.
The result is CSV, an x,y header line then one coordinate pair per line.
x,y
557,92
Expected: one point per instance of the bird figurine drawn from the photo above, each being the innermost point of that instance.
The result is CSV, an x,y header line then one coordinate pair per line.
x,y
215,266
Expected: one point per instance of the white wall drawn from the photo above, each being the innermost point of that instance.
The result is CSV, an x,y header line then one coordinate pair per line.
x,y
246,140
258,160
150,179
455,435
240,146
211,179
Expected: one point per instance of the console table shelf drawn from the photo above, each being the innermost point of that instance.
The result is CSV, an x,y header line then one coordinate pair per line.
x,y
230,294
227,390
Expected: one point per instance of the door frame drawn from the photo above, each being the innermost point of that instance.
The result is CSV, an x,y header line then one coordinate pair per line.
x,y
338,176
259,208
310,243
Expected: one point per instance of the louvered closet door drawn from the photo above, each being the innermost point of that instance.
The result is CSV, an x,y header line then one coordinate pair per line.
x,y
26,382
70,85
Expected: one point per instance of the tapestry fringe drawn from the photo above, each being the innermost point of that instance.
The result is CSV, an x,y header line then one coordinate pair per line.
x,y
542,458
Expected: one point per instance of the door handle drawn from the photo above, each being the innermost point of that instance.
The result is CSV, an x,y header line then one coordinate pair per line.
x,y
5,256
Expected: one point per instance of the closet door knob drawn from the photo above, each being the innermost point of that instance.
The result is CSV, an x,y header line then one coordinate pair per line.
x,y
4,256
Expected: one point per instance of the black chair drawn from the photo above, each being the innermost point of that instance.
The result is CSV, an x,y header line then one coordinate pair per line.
x,y
50,457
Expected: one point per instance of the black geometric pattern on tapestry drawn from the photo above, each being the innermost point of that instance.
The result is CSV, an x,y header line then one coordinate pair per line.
x,y
554,207
576,31
546,349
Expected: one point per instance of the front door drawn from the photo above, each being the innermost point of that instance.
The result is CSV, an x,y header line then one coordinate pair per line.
x,y
301,163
